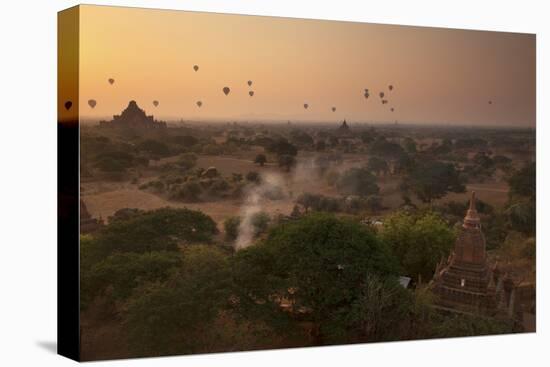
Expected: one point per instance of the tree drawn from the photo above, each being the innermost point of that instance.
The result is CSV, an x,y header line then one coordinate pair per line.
x,y
115,161
409,145
404,164
253,176
445,147
260,159
121,273
187,161
521,210
260,222
418,241
156,230
311,268
154,147
185,140
503,163
125,213
460,325
522,216
110,165
482,159
369,136
384,148
433,180
176,316
300,137
320,145
523,182
282,147
187,192
308,200
357,181
380,312
287,161
231,227
377,165
471,143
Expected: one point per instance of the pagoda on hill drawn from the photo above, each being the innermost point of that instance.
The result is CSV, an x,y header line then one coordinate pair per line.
x,y
466,282
135,118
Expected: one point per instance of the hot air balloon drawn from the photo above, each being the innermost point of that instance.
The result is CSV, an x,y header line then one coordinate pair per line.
x,y
251,93
196,67
306,106
111,81
390,87
199,103
155,103
366,94
333,109
391,109
92,103
68,105
249,83
384,101
490,102
381,94
226,90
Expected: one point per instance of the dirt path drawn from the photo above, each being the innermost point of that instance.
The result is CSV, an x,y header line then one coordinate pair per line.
x,y
489,189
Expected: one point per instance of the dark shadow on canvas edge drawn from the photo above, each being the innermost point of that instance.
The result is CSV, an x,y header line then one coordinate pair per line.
x,y
48,345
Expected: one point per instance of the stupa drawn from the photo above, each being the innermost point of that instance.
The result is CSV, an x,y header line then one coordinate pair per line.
x,y
466,281
344,130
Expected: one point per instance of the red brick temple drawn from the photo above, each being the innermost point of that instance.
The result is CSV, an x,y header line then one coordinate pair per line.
x,y
466,282
135,118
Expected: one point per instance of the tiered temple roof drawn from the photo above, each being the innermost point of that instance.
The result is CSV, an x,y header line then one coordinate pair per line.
x,y
465,282
135,118
344,131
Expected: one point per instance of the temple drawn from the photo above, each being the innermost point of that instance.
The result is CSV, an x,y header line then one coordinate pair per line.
x,y
344,128
466,282
135,118
344,131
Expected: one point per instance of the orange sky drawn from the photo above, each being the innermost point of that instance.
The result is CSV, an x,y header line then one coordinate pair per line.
x,y
440,75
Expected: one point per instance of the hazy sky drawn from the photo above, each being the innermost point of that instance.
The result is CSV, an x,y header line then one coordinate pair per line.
x,y
439,75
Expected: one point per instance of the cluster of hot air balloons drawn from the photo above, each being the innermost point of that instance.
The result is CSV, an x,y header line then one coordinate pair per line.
x,y
226,90
366,94
381,94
